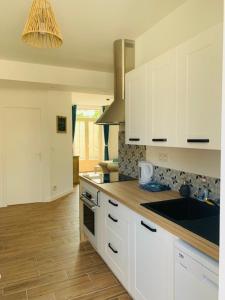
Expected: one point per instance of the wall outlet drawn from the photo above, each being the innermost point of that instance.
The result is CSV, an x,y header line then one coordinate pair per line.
x,y
163,157
54,188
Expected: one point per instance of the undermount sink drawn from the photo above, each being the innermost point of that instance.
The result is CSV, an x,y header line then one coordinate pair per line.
x,y
183,209
198,217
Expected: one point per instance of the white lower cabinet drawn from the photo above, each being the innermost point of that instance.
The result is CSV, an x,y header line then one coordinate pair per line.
x,y
117,221
139,253
152,262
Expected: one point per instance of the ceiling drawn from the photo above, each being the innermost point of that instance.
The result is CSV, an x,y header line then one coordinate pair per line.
x,y
89,28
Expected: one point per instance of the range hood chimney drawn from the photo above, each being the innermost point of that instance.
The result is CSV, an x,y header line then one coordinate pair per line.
x,y
124,61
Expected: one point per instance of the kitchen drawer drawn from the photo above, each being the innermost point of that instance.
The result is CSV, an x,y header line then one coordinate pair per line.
x,y
112,203
116,222
116,254
115,206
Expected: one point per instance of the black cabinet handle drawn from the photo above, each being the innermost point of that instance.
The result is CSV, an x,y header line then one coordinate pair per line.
x,y
148,227
113,250
134,140
159,140
112,203
198,141
113,219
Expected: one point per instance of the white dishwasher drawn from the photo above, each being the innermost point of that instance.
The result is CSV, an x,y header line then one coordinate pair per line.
x,y
196,274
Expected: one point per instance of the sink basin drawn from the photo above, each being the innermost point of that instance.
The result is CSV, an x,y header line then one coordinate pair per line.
x,y
198,217
183,209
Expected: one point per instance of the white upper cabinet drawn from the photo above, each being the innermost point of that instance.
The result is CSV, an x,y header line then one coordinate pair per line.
x,y
162,100
199,87
175,99
135,106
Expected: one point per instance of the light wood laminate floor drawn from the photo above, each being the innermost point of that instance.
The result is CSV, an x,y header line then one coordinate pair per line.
x,y
41,257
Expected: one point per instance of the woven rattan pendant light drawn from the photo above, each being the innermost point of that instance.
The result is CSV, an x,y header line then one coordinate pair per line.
x,y
41,29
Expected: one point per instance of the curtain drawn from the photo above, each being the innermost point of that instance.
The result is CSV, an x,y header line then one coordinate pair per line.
x,y
74,117
106,139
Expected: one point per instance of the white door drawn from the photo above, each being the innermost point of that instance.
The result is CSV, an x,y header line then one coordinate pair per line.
x,y
152,262
135,106
199,90
163,99
22,155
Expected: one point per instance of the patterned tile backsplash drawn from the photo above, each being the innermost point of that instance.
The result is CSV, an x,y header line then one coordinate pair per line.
x,y
198,183
130,155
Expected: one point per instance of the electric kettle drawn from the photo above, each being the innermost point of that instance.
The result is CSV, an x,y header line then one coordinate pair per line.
x,y
145,172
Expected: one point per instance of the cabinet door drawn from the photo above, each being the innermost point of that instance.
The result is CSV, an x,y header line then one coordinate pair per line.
x,y
162,96
152,262
116,235
135,106
199,90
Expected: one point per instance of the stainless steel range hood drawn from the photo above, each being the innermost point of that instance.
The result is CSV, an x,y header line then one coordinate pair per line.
x,y
124,61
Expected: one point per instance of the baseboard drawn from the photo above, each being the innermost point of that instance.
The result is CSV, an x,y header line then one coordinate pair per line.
x,y
3,205
61,195
55,197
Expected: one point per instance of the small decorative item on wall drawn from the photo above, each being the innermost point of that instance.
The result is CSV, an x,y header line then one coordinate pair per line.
x,y
61,124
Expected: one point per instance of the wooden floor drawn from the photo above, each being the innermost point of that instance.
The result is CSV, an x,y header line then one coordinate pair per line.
x,y
41,257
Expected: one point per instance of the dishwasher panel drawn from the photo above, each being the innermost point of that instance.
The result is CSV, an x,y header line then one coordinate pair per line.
x,y
196,275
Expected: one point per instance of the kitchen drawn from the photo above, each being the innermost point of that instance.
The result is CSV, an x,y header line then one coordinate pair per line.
x,y
144,218
160,237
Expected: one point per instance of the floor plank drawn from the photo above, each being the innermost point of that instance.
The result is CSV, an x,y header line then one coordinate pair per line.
x,y
41,257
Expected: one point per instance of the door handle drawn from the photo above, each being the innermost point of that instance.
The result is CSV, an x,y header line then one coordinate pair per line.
x,y
112,203
148,227
111,248
113,219
134,140
198,141
159,140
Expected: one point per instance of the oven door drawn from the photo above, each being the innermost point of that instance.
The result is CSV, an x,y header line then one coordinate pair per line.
x,y
89,220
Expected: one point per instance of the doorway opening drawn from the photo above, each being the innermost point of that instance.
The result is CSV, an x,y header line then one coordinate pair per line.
x,y
88,141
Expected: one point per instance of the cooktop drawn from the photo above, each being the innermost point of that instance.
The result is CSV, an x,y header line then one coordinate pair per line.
x,y
101,178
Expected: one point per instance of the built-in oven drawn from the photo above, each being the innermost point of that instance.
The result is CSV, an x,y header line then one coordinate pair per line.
x,y
90,210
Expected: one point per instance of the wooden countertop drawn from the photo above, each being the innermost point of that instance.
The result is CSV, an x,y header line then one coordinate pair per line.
x,y
129,194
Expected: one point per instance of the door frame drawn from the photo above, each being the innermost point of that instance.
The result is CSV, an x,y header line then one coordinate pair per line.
x,y
2,154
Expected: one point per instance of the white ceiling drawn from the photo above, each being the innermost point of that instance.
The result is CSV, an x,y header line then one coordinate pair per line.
x,y
89,28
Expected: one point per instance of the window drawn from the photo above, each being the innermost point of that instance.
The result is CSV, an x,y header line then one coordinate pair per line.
x,y
88,142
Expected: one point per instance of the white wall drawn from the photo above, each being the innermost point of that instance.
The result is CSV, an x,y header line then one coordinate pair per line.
x,y
185,22
56,148
189,19
59,104
204,162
